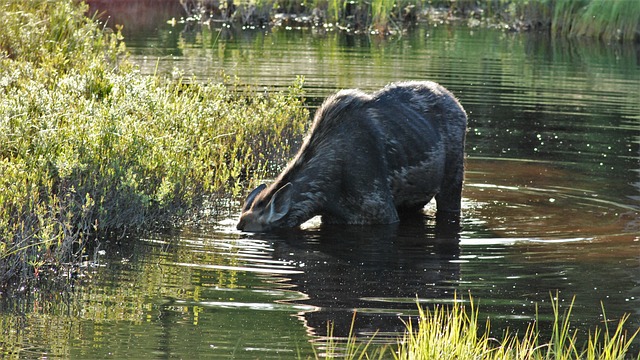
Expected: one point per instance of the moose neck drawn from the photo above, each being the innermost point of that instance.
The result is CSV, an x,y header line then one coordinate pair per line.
x,y
311,179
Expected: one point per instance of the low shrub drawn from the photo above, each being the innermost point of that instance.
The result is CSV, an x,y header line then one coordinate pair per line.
x,y
88,145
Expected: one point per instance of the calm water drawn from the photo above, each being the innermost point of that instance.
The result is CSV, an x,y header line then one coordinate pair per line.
x,y
551,204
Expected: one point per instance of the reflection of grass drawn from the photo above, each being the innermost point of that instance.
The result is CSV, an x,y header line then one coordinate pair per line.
x,y
352,349
454,333
88,144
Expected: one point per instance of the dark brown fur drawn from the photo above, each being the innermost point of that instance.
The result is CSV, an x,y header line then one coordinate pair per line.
x,y
368,157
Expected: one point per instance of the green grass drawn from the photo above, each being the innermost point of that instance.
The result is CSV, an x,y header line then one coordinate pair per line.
x,y
618,20
90,146
454,332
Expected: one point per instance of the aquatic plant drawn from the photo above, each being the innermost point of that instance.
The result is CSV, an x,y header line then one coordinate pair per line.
x,y
617,20
455,332
381,14
88,145
607,20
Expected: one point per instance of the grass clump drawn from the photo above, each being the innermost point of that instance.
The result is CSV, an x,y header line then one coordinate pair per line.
x,y
444,333
608,20
617,20
603,19
454,332
89,145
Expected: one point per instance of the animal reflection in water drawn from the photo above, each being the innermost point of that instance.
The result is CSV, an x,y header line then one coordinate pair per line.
x,y
378,269
369,159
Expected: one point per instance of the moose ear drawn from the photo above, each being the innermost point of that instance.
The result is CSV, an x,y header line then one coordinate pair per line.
x,y
252,196
280,203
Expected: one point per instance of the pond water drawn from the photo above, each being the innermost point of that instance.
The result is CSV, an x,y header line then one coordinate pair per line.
x,y
551,208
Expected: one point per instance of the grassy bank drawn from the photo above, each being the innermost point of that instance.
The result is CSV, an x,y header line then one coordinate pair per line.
x,y
455,332
89,146
605,19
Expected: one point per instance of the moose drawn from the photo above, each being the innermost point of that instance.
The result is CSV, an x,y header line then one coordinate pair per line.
x,y
369,159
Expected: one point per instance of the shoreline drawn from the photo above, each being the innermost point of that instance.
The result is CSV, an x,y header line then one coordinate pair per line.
x,y
600,19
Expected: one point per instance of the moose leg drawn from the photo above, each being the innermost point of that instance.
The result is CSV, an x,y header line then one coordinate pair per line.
x,y
449,199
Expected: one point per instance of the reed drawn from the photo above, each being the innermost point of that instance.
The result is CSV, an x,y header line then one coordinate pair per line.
x,y
334,9
454,332
609,20
444,333
563,13
604,19
381,15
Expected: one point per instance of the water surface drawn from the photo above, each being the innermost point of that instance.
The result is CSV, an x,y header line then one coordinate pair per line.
x,y
551,208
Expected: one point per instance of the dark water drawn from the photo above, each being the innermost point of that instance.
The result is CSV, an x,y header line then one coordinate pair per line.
x,y
551,206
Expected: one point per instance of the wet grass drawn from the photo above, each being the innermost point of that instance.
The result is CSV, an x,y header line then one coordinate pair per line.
x,y
454,332
89,146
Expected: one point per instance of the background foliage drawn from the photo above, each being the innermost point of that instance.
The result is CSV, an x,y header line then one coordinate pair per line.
x,y
606,19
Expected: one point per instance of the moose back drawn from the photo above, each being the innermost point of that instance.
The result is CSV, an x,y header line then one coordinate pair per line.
x,y
368,158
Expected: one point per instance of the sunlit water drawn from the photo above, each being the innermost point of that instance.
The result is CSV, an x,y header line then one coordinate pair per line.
x,y
551,208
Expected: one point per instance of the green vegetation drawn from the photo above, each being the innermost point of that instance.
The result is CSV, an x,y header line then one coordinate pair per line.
x,y
352,349
88,145
605,19
455,333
